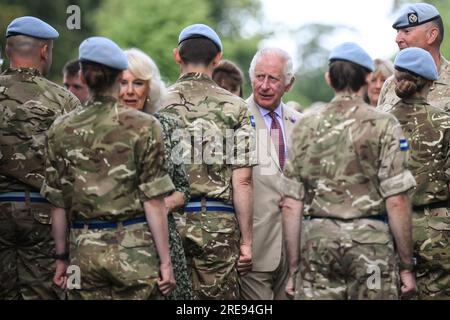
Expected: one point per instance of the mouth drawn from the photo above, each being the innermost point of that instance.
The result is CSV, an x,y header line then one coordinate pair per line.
x,y
131,102
265,96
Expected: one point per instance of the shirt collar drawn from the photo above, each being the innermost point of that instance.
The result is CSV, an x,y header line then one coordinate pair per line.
x,y
278,111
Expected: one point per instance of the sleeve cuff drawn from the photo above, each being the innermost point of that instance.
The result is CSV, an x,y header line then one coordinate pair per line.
x,y
292,188
398,184
54,196
156,188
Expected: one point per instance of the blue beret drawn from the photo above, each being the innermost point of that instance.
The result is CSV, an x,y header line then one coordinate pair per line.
x,y
414,15
198,31
32,27
104,51
349,51
417,61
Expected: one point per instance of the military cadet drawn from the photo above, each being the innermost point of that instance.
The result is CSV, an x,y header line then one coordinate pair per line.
x,y
220,180
106,175
427,129
272,75
72,82
346,167
420,25
141,87
29,104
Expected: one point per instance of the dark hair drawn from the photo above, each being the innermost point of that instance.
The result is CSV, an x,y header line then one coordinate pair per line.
x,y
440,25
227,74
198,51
346,75
72,68
407,84
99,78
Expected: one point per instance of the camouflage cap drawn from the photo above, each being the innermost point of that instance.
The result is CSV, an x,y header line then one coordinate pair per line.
x,y
32,27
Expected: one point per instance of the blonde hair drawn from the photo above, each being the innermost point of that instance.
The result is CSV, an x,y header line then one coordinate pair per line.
x,y
383,68
144,68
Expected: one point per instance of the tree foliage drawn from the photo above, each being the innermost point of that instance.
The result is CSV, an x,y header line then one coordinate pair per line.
x,y
154,26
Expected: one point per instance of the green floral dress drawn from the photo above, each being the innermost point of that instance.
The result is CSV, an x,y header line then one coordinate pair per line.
x,y
177,173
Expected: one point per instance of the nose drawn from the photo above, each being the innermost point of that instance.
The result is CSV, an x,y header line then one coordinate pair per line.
x,y
379,83
129,89
265,83
399,38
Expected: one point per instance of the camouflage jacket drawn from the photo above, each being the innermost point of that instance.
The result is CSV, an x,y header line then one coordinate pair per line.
x,y
428,131
104,160
219,125
439,95
346,159
177,172
29,104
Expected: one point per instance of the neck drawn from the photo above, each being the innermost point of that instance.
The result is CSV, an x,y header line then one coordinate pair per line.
x,y
196,68
359,93
435,53
16,63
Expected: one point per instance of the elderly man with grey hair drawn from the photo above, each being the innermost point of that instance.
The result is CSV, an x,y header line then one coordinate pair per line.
x,y
272,75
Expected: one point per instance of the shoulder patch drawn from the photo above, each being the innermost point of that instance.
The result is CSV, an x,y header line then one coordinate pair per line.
x,y
404,146
252,121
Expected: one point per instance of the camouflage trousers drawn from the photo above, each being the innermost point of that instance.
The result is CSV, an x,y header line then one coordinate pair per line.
x,y
431,235
27,265
211,242
347,260
120,263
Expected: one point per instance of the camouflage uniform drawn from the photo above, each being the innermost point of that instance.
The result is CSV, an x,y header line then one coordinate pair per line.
x,y
439,95
103,162
211,237
177,172
344,161
29,104
428,131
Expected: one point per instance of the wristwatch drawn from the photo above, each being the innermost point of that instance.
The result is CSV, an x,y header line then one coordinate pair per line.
x,y
63,256
402,266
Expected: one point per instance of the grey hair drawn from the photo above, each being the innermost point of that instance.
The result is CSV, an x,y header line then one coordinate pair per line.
x,y
144,68
288,71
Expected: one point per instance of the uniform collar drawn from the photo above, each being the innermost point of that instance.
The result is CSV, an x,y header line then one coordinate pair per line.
x,y
444,72
346,97
415,100
29,71
195,76
97,100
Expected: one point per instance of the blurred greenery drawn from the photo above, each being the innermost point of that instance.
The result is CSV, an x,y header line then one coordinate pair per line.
x,y
54,12
152,26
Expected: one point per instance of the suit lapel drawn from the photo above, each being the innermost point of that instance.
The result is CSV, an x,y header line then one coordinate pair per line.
x,y
290,120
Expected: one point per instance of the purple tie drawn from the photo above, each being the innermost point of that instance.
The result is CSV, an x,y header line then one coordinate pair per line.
x,y
276,133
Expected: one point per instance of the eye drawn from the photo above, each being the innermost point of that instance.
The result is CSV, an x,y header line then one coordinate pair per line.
x,y
138,83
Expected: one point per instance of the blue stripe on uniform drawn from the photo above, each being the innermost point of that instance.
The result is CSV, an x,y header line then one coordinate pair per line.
x,y
35,197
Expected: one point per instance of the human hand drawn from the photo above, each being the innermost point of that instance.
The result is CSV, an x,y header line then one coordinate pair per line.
x,y
245,263
60,277
408,284
290,287
166,281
